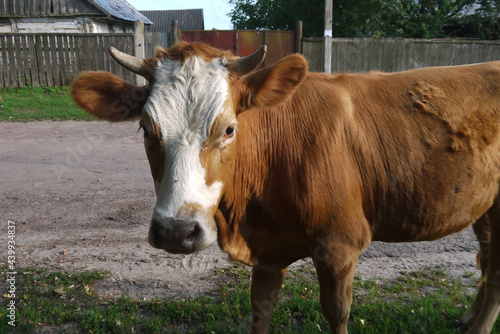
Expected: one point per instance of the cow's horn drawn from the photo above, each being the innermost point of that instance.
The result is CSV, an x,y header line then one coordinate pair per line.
x,y
131,63
245,65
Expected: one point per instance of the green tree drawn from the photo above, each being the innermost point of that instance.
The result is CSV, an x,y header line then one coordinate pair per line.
x,y
374,18
483,23
423,18
278,14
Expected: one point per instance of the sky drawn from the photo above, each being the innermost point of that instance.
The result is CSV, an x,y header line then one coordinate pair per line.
x,y
214,11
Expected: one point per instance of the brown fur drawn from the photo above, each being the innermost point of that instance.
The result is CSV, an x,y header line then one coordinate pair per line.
x,y
108,97
321,165
353,158
359,174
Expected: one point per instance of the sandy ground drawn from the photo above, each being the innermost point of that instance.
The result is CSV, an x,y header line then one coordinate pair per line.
x,y
81,196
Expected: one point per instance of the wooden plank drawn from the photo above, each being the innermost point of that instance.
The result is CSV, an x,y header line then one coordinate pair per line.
x,y
20,7
42,78
10,7
36,7
86,58
33,63
63,8
61,60
26,61
100,54
3,62
67,60
79,42
148,43
115,67
47,60
54,68
127,46
56,71
107,58
19,61
71,6
93,45
12,61
73,70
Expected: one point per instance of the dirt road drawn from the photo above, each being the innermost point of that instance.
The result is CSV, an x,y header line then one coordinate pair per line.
x,y
81,196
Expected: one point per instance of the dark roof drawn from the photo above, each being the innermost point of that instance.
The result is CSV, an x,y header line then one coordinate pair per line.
x,y
189,19
120,9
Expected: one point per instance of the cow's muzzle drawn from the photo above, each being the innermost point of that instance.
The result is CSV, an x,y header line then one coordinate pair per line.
x,y
175,235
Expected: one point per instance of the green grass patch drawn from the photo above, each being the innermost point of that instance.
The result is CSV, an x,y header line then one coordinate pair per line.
x,y
37,104
417,302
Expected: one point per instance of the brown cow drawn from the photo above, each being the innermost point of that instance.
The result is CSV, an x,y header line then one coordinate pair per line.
x,y
280,164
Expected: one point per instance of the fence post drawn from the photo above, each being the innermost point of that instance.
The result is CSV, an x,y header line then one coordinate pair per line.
x,y
139,48
328,36
298,36
175,33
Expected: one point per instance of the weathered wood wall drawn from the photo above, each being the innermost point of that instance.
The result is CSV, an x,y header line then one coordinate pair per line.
x,y
45,7
154,39
389,55
56,59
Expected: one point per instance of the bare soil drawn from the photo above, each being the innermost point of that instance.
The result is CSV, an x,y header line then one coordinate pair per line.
x,y
81,196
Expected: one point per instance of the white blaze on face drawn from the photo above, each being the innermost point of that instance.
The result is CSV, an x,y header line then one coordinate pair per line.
x,y
184,102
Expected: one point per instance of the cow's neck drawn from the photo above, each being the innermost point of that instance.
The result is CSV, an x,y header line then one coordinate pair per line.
x,y
257,144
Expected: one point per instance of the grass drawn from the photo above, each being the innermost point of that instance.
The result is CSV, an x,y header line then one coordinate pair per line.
x,y
417,302
37,104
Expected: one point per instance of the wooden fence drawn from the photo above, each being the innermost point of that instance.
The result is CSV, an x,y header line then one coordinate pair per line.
x,y
154,39
391,54
56,59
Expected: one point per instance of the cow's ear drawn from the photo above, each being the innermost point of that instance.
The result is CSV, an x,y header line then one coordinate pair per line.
x,y
108,97
273,85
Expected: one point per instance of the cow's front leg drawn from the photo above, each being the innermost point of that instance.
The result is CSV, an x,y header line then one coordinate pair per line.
x,y
336,275
266,285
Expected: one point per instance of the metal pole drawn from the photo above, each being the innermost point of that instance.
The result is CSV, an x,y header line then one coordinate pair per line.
x,y
328,36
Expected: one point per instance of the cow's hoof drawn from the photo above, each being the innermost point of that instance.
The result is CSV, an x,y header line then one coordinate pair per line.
x,y
466,322
462,327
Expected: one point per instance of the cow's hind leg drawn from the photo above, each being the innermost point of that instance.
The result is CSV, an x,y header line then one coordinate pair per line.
x,y
482,231
491,295
336,275
266,285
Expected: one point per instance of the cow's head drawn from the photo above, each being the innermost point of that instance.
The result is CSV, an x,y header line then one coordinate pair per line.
x,y
188,113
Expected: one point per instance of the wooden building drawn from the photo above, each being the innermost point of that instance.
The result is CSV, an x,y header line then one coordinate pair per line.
x,y
189,19
68,16
162,31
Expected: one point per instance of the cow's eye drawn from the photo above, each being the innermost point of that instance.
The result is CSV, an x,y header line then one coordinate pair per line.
x,y
229,132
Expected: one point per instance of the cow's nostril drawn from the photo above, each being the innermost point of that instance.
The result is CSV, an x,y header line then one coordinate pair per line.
x,y
194,235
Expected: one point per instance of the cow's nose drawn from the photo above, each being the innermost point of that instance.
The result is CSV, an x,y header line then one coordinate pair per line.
x,y
176,235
